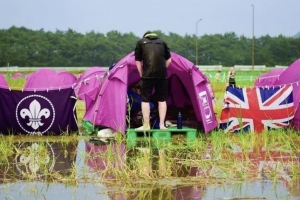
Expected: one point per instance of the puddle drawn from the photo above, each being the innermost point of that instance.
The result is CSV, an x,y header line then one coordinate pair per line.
x,y
88,170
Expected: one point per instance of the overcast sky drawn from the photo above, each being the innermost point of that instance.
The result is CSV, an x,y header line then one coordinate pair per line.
x,y
272,17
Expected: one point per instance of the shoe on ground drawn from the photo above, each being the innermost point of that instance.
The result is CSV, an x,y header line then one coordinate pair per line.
x,y
106,133
169,124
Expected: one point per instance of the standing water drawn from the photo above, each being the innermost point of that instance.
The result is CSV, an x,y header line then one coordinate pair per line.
x,y
57,169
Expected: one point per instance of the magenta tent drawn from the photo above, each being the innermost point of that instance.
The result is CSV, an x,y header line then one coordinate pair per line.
x,y
187,86
66,78
268,78
47,78
88,84
291,76
3,82
17,75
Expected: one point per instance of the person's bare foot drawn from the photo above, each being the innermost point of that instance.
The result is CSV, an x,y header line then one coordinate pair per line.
x,y
162,127
143,128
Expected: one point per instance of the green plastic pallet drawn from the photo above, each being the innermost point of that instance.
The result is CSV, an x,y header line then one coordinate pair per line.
x,y
159,137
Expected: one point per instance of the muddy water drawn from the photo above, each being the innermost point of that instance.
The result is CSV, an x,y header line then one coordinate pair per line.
x,y
26,176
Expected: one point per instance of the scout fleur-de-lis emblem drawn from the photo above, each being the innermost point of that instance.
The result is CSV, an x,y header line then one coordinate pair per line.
x,y
35,114
33,157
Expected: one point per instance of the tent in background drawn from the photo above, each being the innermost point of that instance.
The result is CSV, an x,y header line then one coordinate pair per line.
x,y
18,75
268,78
47,78
291,76
88,84
189,89
3,82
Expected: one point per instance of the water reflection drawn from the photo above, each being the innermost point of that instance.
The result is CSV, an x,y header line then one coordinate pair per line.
x,y
145,162
34,160
46,170
97,170
103,156
162,193
254,189
169,176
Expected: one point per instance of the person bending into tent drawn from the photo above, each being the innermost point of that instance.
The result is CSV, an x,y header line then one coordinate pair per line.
x,y
152,57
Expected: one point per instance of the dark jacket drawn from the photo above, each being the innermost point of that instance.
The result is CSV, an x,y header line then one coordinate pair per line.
x,y
153,52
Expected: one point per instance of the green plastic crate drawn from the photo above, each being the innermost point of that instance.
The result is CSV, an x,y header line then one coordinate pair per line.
x,y
90,128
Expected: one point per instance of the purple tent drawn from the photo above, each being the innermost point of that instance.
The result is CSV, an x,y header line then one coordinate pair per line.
x,y
269,78
3,82
88,84
292,76
17,75
66,78
47,78
188,86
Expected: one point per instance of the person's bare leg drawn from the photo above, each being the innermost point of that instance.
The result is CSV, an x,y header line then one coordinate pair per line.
x,y
146,116
162,110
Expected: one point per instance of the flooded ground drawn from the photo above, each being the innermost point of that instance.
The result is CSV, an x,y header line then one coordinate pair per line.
x,y
94,170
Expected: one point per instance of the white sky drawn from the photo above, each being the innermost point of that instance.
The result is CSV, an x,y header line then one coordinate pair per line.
x,y
273,17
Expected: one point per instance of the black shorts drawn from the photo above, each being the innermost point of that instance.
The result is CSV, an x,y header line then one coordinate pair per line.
x,y
231,82
149,86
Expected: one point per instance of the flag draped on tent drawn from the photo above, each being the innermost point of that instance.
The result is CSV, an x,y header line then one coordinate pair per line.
x,y
32,112
257,109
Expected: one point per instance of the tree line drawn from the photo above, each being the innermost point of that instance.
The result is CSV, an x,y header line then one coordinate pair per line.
x,y
20,46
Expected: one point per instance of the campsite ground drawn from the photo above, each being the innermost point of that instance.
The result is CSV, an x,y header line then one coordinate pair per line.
x,y
215,166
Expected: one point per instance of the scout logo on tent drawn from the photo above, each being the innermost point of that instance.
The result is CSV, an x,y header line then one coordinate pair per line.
x,y
206,108
257,109
37,118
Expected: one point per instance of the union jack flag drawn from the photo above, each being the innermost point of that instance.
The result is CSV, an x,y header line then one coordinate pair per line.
x,y
257,109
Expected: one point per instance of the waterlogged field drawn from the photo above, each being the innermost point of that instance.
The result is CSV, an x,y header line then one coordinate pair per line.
x,y
214,166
